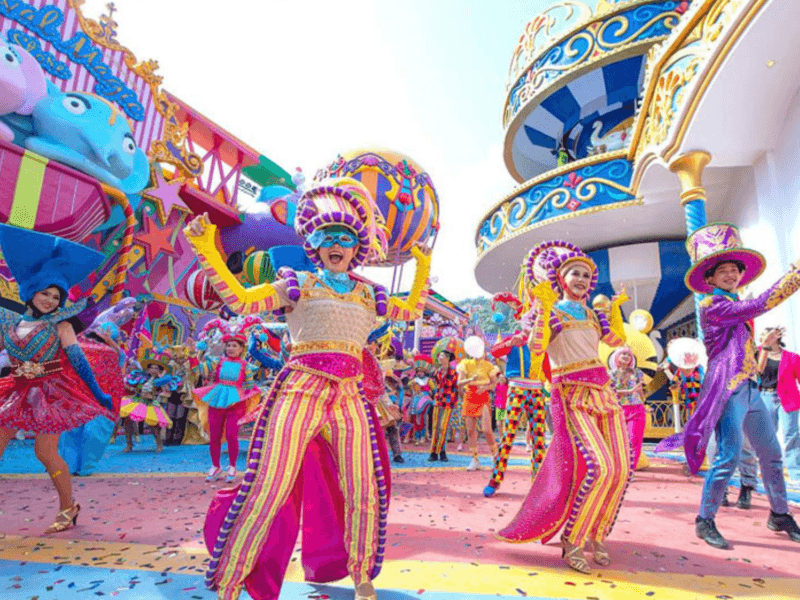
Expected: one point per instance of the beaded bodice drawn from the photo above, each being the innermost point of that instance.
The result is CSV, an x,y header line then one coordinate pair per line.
x,y
323,320
575,345
40,344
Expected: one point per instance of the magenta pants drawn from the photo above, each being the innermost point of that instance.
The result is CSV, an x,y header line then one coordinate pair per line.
x,y
635,421
224,421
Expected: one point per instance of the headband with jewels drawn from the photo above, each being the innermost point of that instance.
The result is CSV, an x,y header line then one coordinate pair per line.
x,y
347,202
544,262
716,243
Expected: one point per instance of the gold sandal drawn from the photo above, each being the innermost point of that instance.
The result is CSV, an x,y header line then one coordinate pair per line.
x,y
573,556
365,591
599,554
65,519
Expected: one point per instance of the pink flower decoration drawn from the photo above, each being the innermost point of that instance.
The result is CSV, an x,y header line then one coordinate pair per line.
x,y
573,180
682,7
371,161
573,204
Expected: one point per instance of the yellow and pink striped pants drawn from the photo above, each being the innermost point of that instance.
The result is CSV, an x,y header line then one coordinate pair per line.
x,y
307,405
596,424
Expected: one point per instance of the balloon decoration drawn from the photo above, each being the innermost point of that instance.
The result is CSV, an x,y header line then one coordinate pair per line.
x,y
636,330
451,344
403,191
200,293
474,346
257,268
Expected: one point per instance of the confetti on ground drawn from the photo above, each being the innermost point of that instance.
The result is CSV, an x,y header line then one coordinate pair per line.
x,y
140,533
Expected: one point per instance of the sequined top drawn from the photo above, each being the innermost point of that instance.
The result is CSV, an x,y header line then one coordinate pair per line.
x,y
574,347
323,320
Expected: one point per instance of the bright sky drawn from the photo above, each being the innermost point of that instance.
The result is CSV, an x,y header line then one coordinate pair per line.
x,y
304,80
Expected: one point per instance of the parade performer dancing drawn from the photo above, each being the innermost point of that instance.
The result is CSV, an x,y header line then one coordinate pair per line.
x,y
525,396
583,477
316,417
477,377
151,387
445,397
52,388
684,368
228,396
628,382
730,403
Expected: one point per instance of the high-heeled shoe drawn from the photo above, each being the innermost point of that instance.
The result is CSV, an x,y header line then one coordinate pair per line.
x,y
573,556
365,591
599,553
65,519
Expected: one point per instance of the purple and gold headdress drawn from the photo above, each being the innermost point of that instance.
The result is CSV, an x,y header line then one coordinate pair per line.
x,y
546,260
347,202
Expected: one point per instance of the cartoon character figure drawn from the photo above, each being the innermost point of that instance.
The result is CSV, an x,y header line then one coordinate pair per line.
x,y
90,134
22,84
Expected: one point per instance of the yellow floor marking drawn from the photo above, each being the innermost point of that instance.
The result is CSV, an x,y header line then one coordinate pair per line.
x,y
464,578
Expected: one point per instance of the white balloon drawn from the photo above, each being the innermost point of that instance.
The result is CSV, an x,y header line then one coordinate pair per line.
x,y
474,346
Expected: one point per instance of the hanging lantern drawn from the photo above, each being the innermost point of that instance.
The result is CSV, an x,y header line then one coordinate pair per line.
x,y
200,292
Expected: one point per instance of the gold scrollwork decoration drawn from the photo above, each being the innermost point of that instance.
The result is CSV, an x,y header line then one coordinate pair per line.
x,y
594,49
670,85
104,33
505,220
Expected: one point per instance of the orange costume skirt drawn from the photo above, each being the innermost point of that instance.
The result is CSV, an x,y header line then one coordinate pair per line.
x,y
474,401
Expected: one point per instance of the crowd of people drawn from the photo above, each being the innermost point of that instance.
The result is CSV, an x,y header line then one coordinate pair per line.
x,y
326,406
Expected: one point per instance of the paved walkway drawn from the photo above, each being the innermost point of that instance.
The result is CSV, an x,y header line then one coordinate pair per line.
x,y
138,537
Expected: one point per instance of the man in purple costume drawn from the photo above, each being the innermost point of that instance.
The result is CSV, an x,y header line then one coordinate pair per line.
x,y
729,402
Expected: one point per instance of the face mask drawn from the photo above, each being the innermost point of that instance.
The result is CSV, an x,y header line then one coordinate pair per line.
x,y
330,236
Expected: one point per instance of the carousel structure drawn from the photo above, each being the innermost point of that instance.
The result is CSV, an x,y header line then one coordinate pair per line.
x,y
630,124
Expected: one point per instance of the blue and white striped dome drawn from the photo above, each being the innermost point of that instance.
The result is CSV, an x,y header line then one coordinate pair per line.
x,y
607,95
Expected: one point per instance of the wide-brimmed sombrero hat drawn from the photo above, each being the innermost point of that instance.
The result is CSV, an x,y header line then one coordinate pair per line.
x,y
716,243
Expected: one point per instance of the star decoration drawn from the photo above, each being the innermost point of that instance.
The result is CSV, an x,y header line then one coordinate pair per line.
x,y
164,194
154,240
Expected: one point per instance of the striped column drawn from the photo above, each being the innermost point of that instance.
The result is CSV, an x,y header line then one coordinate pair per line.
x,y
689,169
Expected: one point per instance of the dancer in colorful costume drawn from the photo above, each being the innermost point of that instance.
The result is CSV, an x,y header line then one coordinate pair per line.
x,y
102,342
182,364
525,397
730,403
585,471
447,353
151,386
628,382
316,418
684,367
419,398
227,398
52,388
477,377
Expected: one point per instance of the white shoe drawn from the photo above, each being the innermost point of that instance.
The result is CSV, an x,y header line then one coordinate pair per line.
x,y
474,465
231,474
212,474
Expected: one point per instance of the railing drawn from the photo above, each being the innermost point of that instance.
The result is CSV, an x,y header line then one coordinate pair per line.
x,y
665,416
